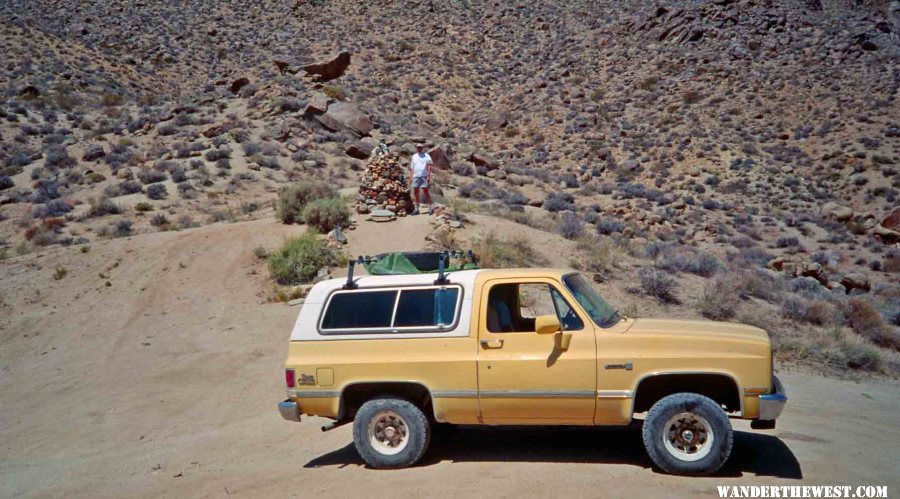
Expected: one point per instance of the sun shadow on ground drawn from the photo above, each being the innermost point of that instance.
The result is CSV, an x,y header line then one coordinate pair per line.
x,y
753,453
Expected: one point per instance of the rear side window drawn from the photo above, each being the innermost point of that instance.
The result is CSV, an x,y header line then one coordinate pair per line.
x,y
364,310
426,307
394,310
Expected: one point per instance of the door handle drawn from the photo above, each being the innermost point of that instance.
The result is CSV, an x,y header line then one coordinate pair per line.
x,y
492,343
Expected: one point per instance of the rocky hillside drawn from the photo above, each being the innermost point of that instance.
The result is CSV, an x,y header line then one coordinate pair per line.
x,y
708,139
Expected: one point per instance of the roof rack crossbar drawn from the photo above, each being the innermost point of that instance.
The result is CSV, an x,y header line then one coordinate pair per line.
x,y
442,279
350,284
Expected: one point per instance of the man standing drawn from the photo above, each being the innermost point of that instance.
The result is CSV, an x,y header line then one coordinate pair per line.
x,y
420,171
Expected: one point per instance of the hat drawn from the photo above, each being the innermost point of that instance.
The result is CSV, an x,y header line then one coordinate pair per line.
x,y
419,146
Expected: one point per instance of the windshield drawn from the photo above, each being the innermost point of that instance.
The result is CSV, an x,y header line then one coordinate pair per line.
x,y
600,311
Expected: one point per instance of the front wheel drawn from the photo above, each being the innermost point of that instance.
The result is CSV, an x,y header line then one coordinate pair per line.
x,y
390,433
687,434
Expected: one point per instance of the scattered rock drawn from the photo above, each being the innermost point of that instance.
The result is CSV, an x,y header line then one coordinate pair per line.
x,y
856,280
238,84
346,116
330,70
93,153
837,211
483,160
440,158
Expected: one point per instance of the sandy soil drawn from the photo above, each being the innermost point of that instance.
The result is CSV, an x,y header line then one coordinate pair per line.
x,y
164,381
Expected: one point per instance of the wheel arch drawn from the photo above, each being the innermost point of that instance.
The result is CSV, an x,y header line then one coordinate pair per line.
x,y
354,395
721,387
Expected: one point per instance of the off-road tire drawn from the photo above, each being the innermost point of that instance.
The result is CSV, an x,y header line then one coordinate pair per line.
x,y
656,432
419,432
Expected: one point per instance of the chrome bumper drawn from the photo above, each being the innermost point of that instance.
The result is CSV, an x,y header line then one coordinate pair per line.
x,y
770,406
289,410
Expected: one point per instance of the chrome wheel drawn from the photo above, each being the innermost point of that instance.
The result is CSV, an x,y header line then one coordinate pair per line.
x,y
688,437
388,432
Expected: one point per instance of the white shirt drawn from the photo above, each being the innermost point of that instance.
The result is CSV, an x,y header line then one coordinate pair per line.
x,y
419,165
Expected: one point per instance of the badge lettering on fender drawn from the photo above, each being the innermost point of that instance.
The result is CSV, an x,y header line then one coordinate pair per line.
x,y
626,366
307,379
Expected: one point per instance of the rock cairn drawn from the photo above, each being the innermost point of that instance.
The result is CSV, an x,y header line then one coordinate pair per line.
x,y
384,185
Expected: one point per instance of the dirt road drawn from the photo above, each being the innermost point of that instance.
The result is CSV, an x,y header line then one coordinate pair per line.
x,y
164,382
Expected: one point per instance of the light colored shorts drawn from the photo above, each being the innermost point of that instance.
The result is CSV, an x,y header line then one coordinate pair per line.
x,y
420,182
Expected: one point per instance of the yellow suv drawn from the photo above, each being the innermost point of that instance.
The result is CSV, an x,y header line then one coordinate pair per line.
x,y
395,354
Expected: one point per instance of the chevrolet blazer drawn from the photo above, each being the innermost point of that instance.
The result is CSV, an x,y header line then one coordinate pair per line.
x,y
397,354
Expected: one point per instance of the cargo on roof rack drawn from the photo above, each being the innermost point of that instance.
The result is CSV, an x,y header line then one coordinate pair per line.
x,y
413,262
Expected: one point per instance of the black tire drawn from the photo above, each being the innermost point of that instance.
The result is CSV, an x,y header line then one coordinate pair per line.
x,y
692,456
380,409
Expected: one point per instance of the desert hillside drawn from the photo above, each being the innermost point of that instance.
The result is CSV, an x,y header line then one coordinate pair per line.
x,y
175,175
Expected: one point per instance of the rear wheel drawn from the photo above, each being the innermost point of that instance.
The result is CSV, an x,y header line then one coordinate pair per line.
x,y
687,434
390,433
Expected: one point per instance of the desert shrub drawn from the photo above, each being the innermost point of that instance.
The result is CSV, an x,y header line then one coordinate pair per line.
x,y
178,174
251,148
750,257
812,311
52,208
326,214
607,225
120,228
657,284
335,92
157,191
719,300
787,242
293,199
150,176
6,182
102,206
463,169
601,255
570,225
493,251
266,162
754,283
159,220
58,157
217,154
694,262
299,259
559,201
167,129
143,206
806,286
867,322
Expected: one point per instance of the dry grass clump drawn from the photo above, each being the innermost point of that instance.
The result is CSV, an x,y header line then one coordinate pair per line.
x,y
868,323
299,259
600,255
292,199
719,301
658,284
493,251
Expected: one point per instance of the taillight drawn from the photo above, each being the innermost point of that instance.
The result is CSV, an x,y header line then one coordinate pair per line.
x,y
289,378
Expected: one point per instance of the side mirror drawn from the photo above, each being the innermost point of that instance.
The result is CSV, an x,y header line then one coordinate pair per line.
x,y
547,324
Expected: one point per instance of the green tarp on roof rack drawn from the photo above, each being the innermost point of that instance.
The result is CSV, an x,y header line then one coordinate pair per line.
x,y
414,262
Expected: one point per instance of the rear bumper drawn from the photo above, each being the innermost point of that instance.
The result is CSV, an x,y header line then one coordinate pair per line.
x,y
289,410
770,406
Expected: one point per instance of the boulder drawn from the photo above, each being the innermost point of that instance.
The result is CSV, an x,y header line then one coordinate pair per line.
x,y
93,153
888,231
318,104
329,70
496,122
856,280
346,116
481,159
440,158
238,84
836,211
359,150
213,131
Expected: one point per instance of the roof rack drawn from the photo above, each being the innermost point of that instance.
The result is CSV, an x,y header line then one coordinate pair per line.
x,y
421,260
